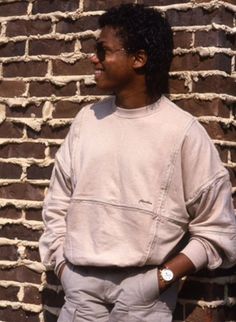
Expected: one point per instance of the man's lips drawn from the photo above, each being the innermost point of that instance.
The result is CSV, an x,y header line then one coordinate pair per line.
x,y
98,72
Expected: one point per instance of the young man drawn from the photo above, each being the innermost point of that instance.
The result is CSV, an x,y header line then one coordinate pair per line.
x,y
138,196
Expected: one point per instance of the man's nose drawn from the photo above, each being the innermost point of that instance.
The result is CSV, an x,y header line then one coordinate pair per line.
x,y
94,59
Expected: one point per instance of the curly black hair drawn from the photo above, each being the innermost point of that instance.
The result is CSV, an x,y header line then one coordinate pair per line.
x,y
141,27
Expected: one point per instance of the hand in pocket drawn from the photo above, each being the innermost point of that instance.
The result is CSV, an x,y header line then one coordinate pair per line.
x,y
140,289
61,269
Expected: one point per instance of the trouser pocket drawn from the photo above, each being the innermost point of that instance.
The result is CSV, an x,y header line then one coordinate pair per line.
x,y
140,289
67,277
149,286
67,313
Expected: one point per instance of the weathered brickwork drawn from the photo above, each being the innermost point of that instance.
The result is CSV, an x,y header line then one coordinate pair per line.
x,y
45,79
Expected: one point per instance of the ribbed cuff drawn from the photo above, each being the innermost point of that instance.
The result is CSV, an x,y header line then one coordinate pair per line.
x,y
58,268
196,252
60,259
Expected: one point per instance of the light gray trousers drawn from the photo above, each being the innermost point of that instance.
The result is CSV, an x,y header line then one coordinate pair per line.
x,y
94,294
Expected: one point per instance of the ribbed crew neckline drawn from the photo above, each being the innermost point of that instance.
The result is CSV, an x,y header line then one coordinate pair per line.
x,y
136,112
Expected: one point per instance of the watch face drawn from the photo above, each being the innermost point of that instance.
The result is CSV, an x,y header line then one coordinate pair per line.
x,y
167,274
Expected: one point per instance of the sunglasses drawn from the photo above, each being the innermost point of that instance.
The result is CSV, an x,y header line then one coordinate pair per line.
x,y
101,52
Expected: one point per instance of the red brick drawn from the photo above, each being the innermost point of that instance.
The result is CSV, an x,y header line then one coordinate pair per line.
x,y
23,191
233,154
13,9
196,314
9,293
232,174
217,38
32,295
20,274
194,290
66,109
87,45
90,5
45,6
81,67
219,131
31,110
19,231
223,153
33,214
177,85
20,150
49,132
232,290
10,171
7,127
228,313
12,49
160,2
8,253
48,316
50,46
47,89
23,69
51,278
230,1
199,16
196,107
28,27
219,272
36,172
195,62
215,84
52,299
182,39
82,24
32,254
12,88
10,212
53,150
9,314
234,199
222,313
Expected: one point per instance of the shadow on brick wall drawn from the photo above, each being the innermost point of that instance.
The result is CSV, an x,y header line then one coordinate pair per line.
x,y
52,297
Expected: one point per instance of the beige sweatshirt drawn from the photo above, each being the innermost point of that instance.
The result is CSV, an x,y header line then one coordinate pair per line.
x,y
128,186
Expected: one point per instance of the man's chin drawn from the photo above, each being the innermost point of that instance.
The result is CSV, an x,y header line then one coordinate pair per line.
x,y
104,87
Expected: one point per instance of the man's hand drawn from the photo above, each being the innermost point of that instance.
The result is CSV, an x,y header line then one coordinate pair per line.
x,y
180,265
61,269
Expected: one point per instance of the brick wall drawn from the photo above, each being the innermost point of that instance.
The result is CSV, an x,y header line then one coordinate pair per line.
x,y
45,78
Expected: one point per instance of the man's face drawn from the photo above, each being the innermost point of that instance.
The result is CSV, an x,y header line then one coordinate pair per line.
x,y
113,66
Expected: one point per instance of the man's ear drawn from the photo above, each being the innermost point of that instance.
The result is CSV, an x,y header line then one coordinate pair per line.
x,y
140,59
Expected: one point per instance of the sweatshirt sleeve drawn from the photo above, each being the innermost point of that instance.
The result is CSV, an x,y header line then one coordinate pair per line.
x,y
207,192
55,207
213,227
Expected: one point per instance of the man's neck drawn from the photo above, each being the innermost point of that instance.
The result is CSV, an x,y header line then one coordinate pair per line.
x,y
134,99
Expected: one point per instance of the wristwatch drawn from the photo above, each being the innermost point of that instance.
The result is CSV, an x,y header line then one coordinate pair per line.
x,y
166,275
